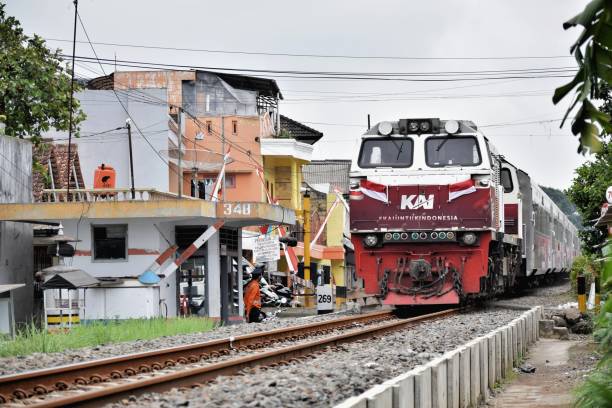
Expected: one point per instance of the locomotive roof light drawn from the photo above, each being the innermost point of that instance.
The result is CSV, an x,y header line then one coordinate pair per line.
x,y
451,127
418,126
370,241
385,128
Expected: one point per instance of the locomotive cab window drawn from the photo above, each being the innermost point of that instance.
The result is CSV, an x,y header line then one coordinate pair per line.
x,y
392,152
506,180
452,151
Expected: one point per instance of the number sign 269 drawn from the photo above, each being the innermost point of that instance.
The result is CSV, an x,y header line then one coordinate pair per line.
x,y
325,298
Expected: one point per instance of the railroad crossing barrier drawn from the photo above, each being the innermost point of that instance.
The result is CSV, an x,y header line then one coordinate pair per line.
x,y
460,378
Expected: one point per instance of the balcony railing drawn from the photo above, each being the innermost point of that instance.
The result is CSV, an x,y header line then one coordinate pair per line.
x,y
111,194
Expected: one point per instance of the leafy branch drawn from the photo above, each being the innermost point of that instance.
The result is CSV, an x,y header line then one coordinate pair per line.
x,y
593,52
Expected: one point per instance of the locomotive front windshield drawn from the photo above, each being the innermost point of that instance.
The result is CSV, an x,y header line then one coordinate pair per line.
x,y
386,153
452,151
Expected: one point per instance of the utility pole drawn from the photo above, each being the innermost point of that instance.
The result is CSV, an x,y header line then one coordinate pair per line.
x,y
129,129
277,113
180,154
368,121
306,206
68,170
223,154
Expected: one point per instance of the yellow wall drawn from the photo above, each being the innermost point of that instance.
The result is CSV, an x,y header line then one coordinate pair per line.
x,y
285,175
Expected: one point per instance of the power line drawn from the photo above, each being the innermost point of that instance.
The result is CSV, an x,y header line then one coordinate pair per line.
x,y
313,55
407,77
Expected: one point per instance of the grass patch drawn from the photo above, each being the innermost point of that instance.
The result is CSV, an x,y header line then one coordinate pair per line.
x,y
34,340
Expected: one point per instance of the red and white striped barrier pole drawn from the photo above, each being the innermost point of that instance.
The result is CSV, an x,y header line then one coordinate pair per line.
x,y
149,276
322,227
217,188
210,231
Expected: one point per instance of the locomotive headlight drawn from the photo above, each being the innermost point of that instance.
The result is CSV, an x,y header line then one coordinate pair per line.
x,y
424,126
370,240
413,126
469,238
385,128
451,127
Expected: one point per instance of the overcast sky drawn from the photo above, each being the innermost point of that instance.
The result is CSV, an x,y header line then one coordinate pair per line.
x,y
466,28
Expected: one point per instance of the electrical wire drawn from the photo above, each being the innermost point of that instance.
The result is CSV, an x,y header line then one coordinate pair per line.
x,y
313,55
388,76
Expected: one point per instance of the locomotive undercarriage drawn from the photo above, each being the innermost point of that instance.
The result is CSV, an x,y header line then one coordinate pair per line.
x,y
430,276
420,277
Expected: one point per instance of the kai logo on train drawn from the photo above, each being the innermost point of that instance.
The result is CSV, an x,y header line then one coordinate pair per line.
x,y
414,202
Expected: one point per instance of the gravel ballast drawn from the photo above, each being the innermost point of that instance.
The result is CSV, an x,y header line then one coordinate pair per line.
x,y
334,376
36,361
549,296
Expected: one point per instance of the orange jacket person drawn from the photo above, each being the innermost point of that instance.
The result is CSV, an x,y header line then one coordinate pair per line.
x,y
252,297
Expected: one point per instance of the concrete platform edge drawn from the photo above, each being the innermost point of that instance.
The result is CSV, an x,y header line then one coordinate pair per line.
x,y
461,377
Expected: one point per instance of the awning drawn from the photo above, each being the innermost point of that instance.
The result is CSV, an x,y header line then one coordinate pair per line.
x,y
10,287
73,279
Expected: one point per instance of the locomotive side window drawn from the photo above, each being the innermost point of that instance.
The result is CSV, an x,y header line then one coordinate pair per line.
x,y
506,180
452,151
386,153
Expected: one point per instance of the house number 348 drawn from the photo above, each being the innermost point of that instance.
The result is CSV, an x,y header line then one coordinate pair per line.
x,y
237,209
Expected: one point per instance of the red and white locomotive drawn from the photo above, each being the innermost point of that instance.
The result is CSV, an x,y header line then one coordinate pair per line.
x,y
439,217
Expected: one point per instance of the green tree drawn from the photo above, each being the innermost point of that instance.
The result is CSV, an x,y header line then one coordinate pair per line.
x,y
34,86
588,193
564,204
593,52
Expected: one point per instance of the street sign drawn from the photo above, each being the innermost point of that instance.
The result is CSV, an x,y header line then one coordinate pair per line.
x,y
266,249
325,299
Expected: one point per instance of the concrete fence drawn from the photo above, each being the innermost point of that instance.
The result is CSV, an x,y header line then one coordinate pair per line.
x,y
461,377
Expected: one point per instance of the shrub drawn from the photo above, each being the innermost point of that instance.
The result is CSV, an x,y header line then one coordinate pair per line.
x,y
587,266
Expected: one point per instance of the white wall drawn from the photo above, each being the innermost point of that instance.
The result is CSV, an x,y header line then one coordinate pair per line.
x,y
141,235
16,258
122,303
104,112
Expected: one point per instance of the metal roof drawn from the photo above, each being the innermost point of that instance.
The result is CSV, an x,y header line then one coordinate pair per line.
x,y
73,279
10,287
332,172
265,86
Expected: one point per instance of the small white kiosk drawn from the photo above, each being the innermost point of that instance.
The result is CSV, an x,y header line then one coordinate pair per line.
x,y
64,307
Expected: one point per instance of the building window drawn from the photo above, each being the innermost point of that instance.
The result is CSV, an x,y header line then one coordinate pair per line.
x,y
209,127
230,181
234,127
109,242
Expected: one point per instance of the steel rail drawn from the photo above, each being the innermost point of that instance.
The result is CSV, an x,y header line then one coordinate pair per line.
x,y
188,377
40,382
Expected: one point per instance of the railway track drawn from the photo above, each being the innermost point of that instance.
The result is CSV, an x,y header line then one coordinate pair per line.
x,y
111,379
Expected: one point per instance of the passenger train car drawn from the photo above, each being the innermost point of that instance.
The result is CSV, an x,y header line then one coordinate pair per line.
x,y
438,216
